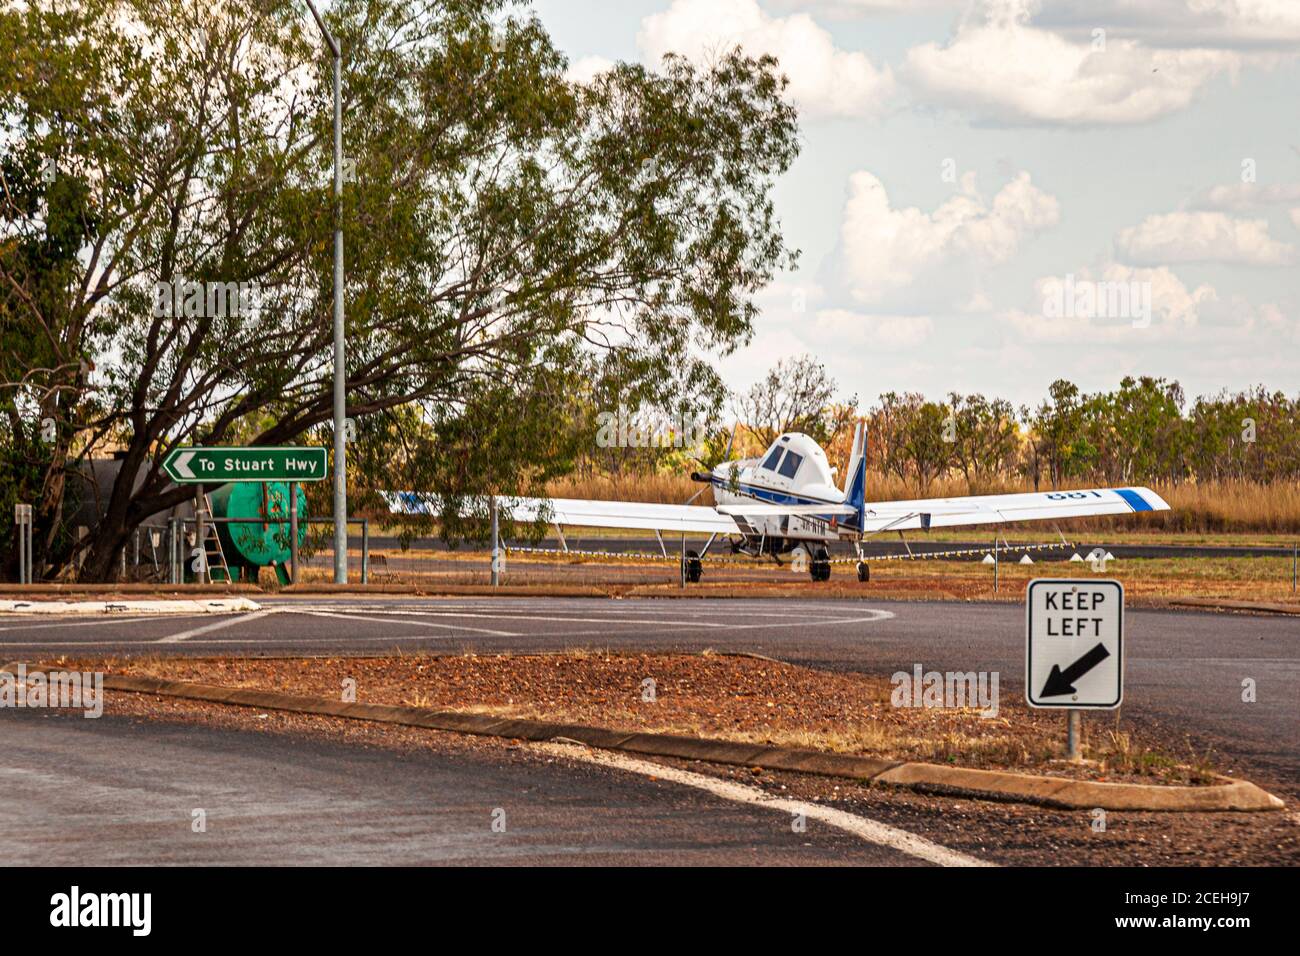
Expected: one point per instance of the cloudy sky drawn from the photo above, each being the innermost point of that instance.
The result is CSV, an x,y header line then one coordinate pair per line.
x,y
961,158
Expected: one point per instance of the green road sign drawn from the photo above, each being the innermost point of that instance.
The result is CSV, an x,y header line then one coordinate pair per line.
x,y
218,465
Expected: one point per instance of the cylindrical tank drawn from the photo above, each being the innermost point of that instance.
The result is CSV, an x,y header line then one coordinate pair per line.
x,y
257,545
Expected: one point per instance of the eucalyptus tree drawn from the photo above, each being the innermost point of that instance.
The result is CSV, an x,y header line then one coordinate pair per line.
x,y
519,245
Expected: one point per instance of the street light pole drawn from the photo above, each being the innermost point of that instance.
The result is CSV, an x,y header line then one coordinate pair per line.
x,y
340,381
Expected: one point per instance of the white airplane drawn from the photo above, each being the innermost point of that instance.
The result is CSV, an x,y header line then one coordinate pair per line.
x,y
787,499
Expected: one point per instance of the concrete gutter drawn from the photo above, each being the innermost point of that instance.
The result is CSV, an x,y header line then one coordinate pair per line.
x,y
985,784
436,590
1223,604
42,592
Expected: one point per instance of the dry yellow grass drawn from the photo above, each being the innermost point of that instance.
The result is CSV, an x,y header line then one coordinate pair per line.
x,y
1205,508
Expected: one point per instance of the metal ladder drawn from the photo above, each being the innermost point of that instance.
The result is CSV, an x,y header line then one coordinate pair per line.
x,y
213,556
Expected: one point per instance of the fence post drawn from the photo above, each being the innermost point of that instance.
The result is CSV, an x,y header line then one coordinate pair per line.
x,y
23,530
496,545
365,550
995,564
174,559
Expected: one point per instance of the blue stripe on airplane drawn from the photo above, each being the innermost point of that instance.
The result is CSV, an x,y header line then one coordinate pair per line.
x,y
782,498
1135,500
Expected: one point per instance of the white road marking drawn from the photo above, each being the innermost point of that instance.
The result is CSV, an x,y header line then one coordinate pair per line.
x,y
258,641
871,615
513,606
870,830
214,626
380,620
83,623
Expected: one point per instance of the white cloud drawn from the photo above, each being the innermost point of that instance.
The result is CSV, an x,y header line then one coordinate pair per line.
x,y
587,68
824,80
842,7
1239,197
1295,217
843,327
1173,307
1004,69
1220,24
1202,237
1216,339
886,249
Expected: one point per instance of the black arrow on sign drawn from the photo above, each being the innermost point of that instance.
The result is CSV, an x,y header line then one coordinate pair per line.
x,y
1060,682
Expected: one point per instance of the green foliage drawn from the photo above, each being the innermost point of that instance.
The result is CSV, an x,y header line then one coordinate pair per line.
x,y
1136,433
519,248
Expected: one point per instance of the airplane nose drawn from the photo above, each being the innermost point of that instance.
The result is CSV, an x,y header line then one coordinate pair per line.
x,y
700,476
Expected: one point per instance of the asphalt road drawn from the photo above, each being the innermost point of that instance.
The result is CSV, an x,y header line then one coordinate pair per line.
x,y
1184,669
116,791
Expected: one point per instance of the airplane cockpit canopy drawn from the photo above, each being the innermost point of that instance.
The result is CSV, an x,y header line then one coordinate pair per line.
x,y
795,456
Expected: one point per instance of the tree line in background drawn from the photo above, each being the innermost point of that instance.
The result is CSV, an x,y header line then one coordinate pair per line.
x,y
1144,431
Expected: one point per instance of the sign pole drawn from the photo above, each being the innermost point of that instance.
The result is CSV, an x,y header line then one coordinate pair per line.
x,y
1074,650
293,532
1073,725
198,534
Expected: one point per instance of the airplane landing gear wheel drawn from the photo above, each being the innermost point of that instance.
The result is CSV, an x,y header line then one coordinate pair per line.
x,y
820,568
694,567
864,572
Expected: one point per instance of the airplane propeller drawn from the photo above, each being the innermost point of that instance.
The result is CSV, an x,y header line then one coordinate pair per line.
x,y
708,469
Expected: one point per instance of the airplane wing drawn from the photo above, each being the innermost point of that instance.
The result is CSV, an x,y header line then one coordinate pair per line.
x,y
624,514
587,513
1004,509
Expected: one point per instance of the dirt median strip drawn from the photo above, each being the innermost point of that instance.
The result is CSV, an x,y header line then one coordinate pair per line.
x,y
997,785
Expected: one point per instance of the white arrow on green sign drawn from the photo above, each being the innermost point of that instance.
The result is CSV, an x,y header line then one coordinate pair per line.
x,y
220,464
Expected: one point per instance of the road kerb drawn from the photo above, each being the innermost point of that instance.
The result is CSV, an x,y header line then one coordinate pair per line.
x,y
959,781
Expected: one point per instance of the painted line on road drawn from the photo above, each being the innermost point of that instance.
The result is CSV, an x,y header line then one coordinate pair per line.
x,y
214,626
530,613
871,615
83,623
303,646
380,620
870,830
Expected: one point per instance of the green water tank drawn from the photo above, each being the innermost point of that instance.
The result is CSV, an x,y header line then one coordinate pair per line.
x,y
251,546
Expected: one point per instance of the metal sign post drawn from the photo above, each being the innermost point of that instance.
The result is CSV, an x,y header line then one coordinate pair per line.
x,y
293,532
23,528
1074,649
199,545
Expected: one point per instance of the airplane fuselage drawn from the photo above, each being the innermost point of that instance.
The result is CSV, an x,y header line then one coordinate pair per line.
x,y
793,471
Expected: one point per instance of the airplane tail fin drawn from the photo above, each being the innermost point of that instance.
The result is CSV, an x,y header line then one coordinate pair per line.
x,y
855,483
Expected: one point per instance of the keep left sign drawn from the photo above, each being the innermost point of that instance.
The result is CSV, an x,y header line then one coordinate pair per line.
x,y
1074,643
